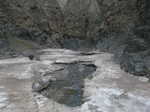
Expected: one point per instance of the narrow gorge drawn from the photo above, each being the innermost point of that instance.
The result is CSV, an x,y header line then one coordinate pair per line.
x,y
74,55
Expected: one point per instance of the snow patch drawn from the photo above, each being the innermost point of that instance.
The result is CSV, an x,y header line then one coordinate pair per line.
x,y
3,99
115,100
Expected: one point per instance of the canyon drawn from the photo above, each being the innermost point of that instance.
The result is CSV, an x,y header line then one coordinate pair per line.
x,y
96,51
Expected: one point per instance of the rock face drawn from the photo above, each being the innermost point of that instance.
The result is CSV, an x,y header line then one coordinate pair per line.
x,y
78,18
118,26
137,52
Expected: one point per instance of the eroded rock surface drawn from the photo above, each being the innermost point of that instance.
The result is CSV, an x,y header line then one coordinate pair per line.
x,y
66,85
110,89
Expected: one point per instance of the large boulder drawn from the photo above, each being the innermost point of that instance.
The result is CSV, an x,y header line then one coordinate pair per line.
x,y
135,58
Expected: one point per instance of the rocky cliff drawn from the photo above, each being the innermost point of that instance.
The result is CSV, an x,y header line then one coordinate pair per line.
x,y
118,26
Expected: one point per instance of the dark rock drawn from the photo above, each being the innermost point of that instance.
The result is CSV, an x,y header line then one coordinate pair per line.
x,y
136,62
135,58
42,84
76,43
3,44
67,84
31,57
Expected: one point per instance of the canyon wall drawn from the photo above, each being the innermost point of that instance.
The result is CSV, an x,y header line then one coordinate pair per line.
x,y
117,26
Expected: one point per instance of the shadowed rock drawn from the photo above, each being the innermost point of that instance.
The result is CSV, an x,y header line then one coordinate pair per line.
x,y
67,85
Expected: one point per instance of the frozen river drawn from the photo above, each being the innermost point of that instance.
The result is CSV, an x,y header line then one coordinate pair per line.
x,y
109,90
